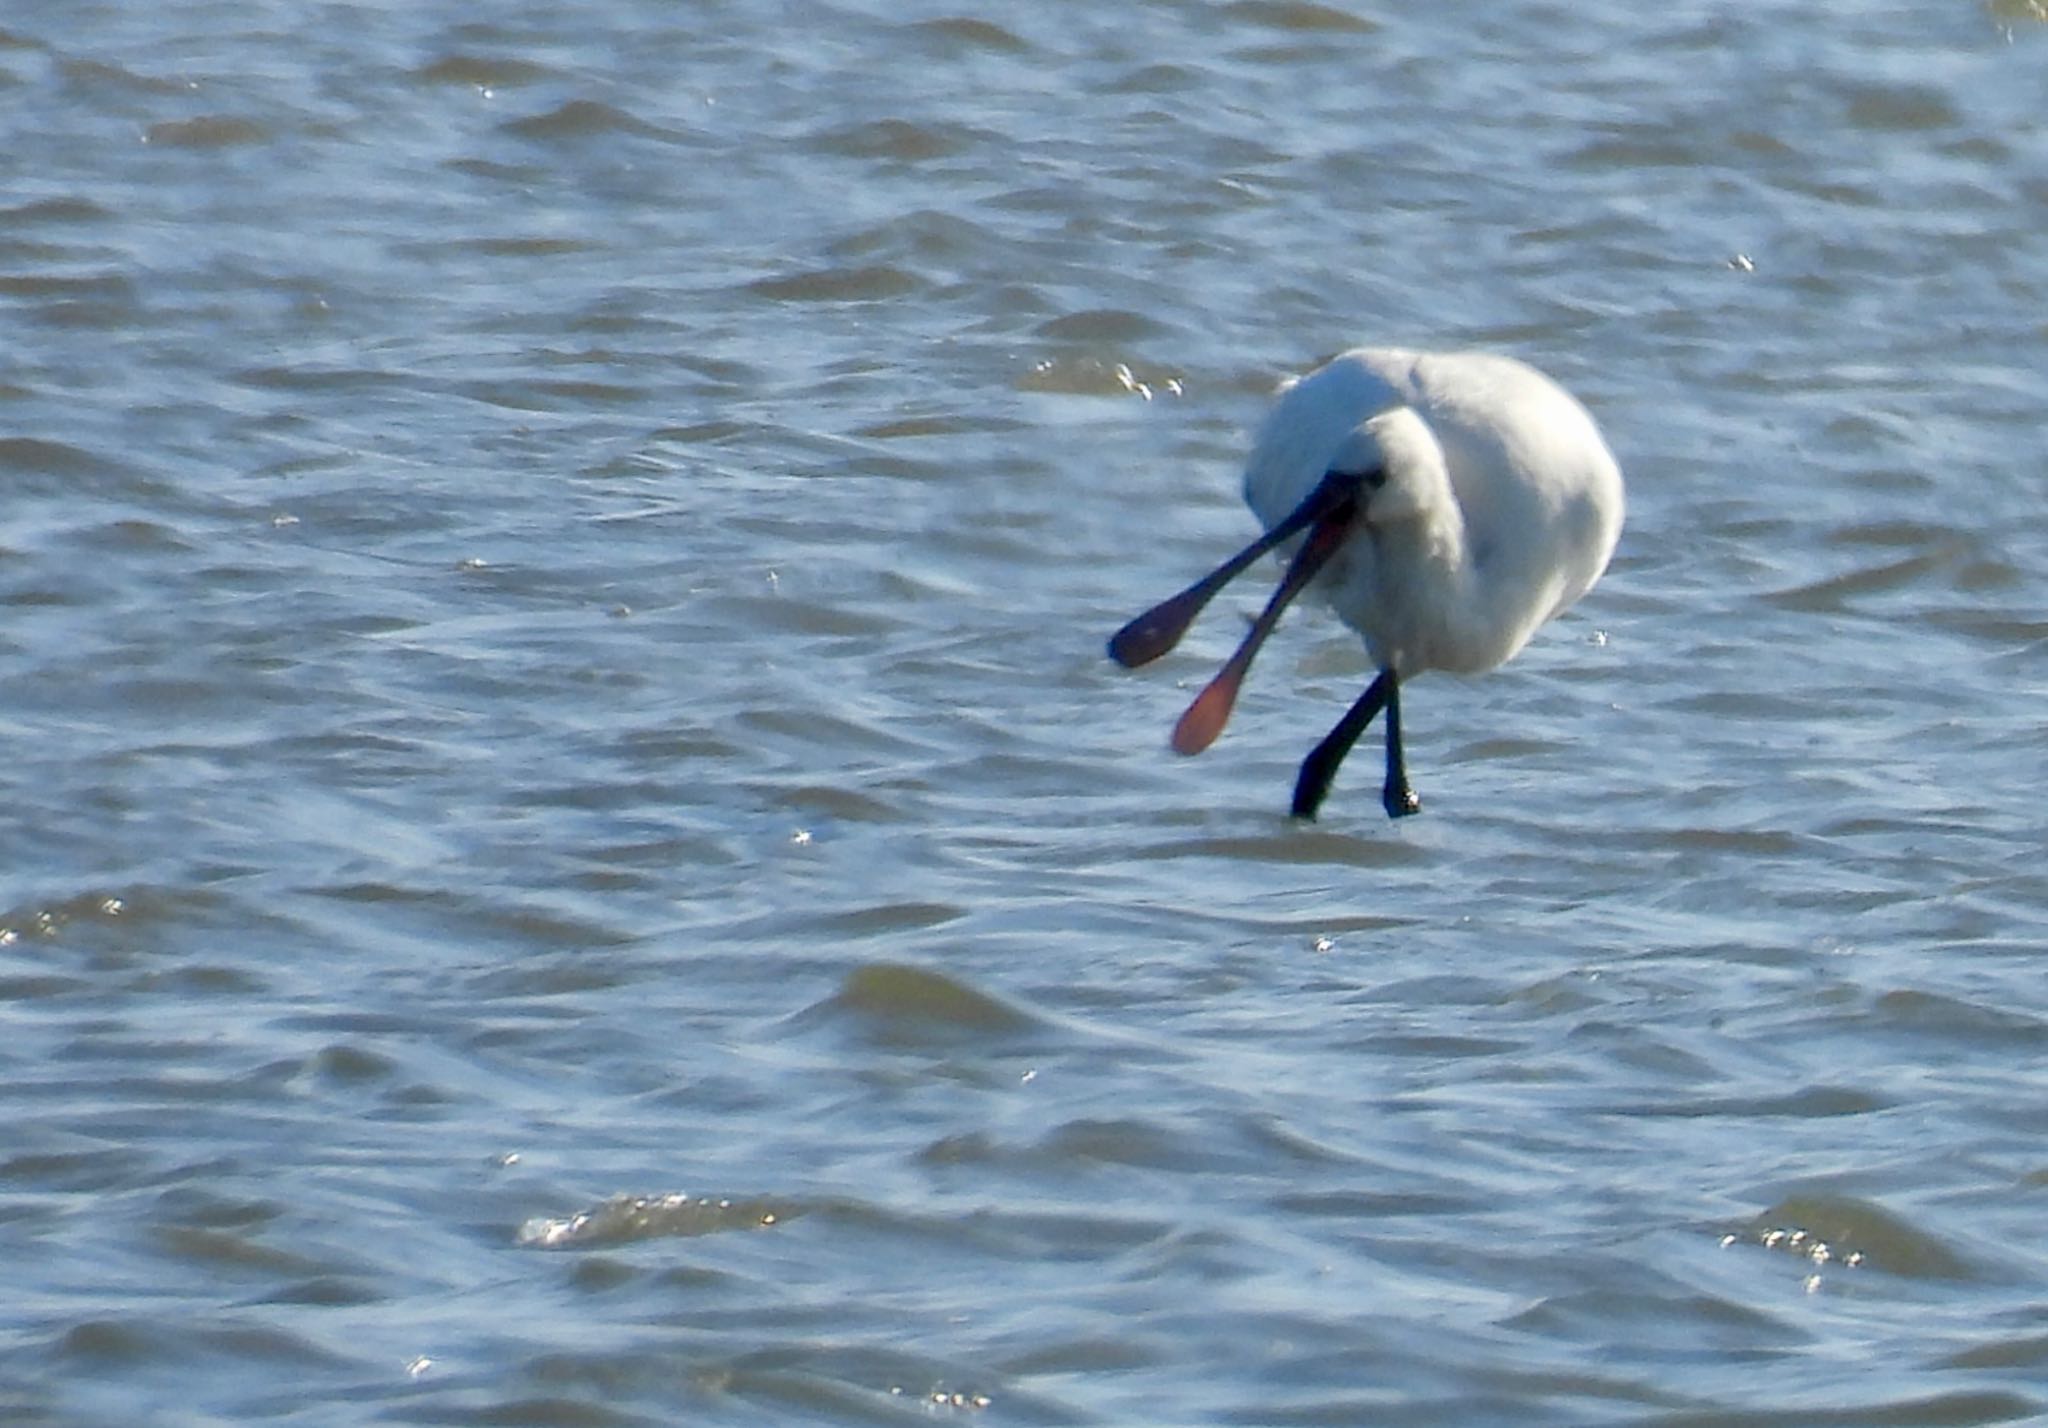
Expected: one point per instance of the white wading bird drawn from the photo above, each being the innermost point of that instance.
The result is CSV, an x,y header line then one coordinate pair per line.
x,y
1453,503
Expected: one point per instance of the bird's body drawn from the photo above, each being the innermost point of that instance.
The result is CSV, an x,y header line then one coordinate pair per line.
x,y
1516,501
1453,503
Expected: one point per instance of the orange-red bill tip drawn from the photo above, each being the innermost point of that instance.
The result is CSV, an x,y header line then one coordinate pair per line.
x,y
1204,720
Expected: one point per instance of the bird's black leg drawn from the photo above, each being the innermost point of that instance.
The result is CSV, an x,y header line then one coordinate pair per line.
x,y
1321,764
1396,796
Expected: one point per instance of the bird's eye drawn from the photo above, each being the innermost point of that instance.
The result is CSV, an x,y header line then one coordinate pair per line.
x,y
1371,479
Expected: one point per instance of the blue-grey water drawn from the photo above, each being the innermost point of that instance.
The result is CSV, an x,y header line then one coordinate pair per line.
x,y
571,856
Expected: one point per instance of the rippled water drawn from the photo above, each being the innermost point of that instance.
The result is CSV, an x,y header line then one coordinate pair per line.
x,y
573,858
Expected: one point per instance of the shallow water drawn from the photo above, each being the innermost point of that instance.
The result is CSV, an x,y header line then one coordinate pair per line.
x,y
574,858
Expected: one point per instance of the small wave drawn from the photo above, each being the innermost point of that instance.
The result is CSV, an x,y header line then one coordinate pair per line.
x,y
1845,1231
903,1005
207,131
624,1219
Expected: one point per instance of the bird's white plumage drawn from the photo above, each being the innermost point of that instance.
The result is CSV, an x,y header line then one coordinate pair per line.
x,y
1445,504
1500,503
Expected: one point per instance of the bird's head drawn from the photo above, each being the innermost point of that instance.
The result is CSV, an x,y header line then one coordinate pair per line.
x,y
1384,471
1397,466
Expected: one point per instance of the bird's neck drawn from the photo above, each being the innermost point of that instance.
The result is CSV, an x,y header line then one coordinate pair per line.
x,y
1459,614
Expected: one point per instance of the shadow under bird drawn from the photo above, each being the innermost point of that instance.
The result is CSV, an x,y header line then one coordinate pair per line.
x,y
1446,505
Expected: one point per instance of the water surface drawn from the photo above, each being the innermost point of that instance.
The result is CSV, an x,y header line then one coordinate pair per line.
x,y
573,856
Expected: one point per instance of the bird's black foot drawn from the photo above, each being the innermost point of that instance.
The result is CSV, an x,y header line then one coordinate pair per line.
x,y
1310,787
1399,800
